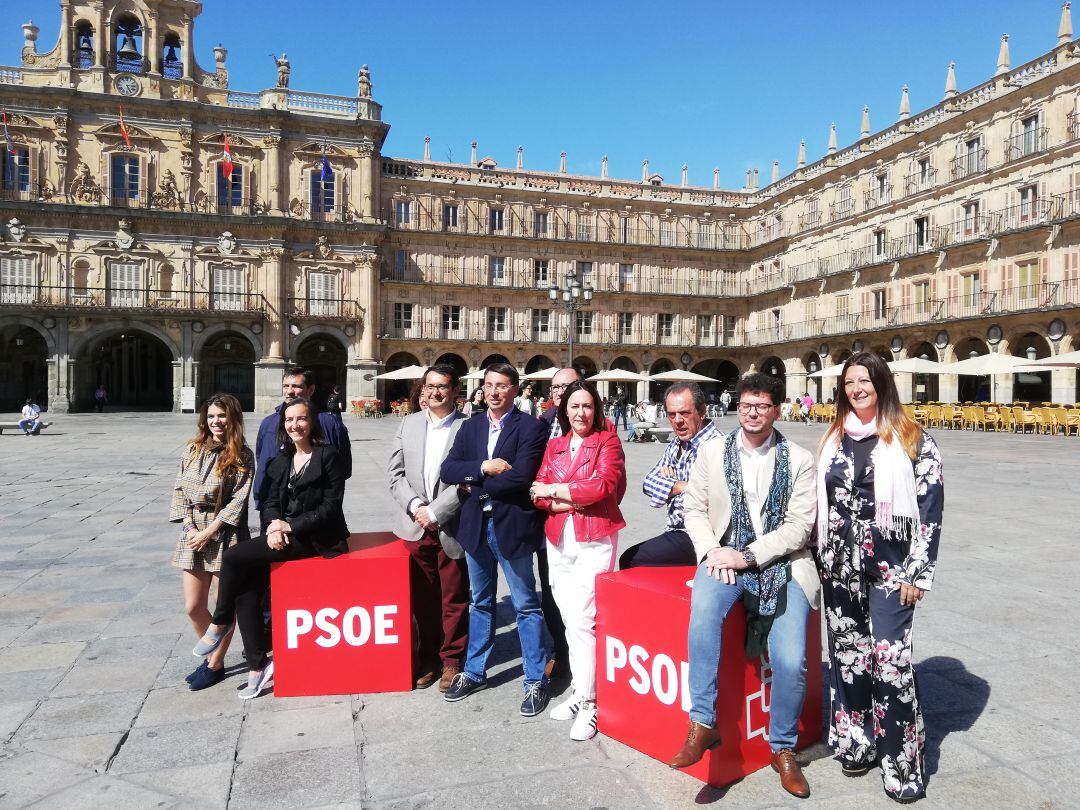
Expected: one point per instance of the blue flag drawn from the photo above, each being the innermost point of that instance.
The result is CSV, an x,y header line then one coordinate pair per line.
x,y
327,173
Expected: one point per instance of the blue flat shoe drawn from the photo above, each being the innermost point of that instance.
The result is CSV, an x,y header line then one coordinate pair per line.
x,y
198,669
206,678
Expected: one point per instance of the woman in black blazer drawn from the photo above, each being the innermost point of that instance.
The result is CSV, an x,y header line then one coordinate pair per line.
x,y
302,517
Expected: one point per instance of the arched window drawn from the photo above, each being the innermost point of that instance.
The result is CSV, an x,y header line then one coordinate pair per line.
x,y
172,62
127,46
84,45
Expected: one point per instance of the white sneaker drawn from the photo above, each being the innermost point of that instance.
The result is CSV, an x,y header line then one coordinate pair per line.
x,y
584,727
566,710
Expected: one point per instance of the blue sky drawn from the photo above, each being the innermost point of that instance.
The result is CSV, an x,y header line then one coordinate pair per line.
x,y
727,84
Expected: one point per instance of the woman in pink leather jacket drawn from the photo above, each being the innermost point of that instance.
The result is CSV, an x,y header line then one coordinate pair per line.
x,y
580,483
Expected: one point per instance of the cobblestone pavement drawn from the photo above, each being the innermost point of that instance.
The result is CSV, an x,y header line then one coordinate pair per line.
x,y
94,647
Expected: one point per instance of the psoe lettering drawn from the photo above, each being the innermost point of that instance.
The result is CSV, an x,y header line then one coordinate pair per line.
x,y
356,626
657,674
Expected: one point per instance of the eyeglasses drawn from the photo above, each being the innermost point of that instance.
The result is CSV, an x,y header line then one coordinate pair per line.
x,y
559,387
441,388
500,387
755,407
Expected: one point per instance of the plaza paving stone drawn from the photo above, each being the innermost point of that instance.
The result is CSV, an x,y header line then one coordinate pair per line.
x,y
94,646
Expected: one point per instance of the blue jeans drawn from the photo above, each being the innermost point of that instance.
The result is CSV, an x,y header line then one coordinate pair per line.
x,y
29,425
484,579
709,606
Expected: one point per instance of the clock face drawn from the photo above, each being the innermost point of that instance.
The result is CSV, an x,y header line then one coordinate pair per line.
x,y
127,85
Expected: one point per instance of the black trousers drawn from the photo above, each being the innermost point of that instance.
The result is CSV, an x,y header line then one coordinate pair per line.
x,y
673,547
552,616
245,575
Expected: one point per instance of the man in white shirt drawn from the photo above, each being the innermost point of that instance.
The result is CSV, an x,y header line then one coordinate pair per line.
x,y
749,507
428,522
31,418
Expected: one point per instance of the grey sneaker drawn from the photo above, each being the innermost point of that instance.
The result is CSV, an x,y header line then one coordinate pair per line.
x,y
210,642
536,699
257,682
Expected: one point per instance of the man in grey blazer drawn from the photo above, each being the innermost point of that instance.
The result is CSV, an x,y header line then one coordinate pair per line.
x,y
750,506
428,522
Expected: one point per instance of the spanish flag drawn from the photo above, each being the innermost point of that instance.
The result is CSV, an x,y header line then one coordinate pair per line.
x,y
227,161
123,128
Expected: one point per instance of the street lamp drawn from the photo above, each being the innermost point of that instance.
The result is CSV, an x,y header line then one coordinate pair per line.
x,y
572,295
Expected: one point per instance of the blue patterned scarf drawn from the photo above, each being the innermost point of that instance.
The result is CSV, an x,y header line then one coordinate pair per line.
x,y
763,588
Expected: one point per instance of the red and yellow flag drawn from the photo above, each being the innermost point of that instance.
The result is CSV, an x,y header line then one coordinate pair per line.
x,y
123,128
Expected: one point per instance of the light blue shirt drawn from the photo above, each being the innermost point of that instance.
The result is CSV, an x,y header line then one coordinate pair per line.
x,y
494,431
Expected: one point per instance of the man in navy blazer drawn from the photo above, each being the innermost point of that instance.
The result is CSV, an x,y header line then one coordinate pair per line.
x,y
495,456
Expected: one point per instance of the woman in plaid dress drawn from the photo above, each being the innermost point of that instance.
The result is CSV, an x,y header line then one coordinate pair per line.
x,y
210,499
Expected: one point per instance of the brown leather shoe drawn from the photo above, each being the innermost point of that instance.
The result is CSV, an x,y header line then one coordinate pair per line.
x,y
426,679
791,775
699,739
448,674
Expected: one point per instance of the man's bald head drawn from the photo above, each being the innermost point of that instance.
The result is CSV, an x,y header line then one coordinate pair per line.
x,y
563,377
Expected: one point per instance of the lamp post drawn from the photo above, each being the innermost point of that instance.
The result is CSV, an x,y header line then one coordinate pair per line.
x,y
572,295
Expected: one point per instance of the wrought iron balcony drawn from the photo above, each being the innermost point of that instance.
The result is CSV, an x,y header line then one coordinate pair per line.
x,y
969,164
325,309
117,298
920,181
877,196
1029,142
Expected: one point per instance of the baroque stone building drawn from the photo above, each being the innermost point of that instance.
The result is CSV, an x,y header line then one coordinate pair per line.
x,y
129,259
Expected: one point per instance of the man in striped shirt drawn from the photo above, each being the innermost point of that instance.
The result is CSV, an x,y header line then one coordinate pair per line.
x,y
666,481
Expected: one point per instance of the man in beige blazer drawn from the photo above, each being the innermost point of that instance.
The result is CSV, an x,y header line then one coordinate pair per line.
x,y
750,507
428,521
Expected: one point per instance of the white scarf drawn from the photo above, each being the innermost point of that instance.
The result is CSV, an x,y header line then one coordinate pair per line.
x,y
896,508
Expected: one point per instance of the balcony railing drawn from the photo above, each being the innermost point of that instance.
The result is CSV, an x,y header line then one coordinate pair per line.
x,y
877,196
1073,126
118,298
725,237
1023,298
969,164
1025,215
325,308
1030,142
920,181
843,208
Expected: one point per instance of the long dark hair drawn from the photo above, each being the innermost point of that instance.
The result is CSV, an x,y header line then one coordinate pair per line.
x,y
891,417
317,436
230,461
599,420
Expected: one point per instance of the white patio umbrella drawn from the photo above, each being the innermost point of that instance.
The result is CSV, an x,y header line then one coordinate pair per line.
x,y
542,374
1067,360
986,364
831,371
406,373
991,365
474,375
618,375
915,365
680,376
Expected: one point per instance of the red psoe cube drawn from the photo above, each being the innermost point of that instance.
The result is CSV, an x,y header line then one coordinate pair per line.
x,y
344,625
642,676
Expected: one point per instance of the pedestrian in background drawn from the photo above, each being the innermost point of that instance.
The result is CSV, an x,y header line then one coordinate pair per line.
x,y
210,498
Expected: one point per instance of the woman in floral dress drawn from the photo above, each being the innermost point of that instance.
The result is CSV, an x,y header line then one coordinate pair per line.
x,y
880,500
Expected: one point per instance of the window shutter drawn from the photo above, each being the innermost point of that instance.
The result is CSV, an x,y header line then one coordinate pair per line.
x,y
907,295
954,283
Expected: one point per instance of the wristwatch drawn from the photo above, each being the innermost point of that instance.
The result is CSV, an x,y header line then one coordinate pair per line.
x,y
749,558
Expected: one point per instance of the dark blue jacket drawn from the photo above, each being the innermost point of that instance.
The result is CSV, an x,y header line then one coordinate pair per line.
x,y
519,526
267,448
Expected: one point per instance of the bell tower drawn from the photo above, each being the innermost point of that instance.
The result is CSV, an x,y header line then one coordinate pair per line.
x,y
129,48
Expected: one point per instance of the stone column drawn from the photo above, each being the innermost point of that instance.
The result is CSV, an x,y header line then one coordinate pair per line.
x,y
1063,385
1001,388
189,57
273,161
102,37
948,387
67,33
269,368
368,294
151,49
905,386
795,384
369,202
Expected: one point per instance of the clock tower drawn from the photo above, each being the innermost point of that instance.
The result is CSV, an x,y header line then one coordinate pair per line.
x,y
130,48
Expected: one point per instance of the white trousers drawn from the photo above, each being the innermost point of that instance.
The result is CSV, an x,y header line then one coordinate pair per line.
x,y
572,571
